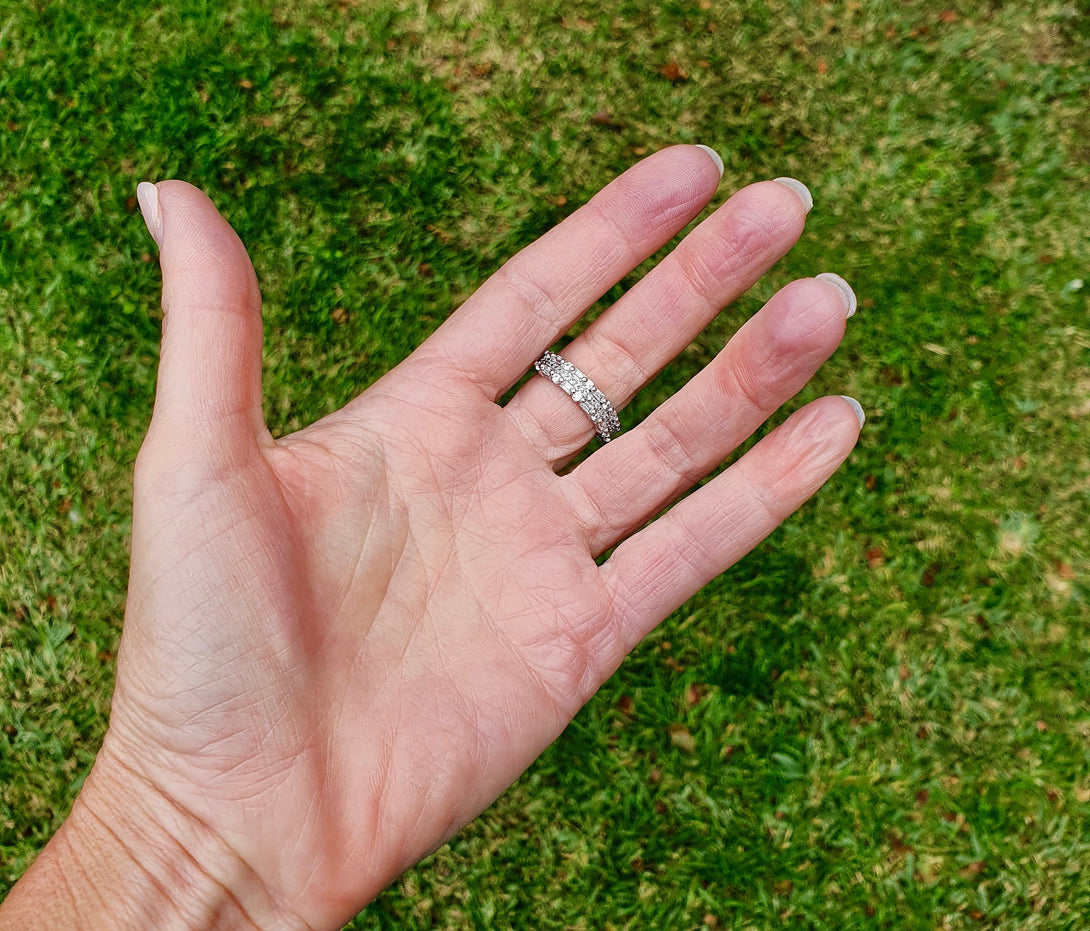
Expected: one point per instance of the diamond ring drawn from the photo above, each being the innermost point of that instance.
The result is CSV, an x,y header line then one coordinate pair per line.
x,y
582,391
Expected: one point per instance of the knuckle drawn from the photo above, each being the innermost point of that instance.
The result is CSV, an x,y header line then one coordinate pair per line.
x,y
667,444
694,552
765,498
530,292
615,357
752,381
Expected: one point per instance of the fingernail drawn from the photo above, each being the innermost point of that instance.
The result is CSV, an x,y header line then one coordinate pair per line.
x,y
857,407
844,288
801,189
714,157
147,195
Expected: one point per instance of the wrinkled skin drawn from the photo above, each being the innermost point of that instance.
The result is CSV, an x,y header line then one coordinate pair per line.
x,y
342,645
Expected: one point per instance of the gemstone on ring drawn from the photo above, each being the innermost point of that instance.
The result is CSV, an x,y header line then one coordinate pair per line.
x,y
582,390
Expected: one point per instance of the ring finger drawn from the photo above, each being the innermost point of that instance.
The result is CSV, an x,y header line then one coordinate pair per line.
x,y
657,318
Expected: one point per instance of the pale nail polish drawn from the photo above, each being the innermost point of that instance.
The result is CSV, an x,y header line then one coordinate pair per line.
x,y
801,190
714,157
844,288
857,407
147,195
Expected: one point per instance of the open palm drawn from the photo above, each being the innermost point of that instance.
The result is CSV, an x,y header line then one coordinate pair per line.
x,y
340,646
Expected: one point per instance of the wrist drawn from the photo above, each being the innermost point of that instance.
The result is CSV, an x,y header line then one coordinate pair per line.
x,y
129,857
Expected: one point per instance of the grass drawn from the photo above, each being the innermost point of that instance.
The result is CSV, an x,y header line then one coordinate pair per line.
x,y
881,718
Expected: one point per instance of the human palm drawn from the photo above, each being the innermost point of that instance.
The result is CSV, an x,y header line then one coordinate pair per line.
x,y
342,645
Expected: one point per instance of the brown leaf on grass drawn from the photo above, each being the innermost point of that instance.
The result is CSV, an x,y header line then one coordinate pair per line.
x,y
442,235
822,67
694,694
340,316
672,71
1063,570
625,705
875,557
605,118
898,844
973,869
246,84
949,16
681,738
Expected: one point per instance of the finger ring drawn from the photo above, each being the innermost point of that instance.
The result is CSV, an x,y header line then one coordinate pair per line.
x,y
582,391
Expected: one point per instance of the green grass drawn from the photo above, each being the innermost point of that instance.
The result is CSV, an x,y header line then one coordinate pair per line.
x,y
881,719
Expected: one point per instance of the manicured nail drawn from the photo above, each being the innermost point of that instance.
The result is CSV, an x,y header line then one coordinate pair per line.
x,y
801,189
857,407
714,157
147,195
845,289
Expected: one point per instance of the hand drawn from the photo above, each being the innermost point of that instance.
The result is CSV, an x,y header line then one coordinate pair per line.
x,y
342,645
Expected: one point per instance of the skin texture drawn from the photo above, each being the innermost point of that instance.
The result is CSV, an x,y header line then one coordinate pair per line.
x,y
342,645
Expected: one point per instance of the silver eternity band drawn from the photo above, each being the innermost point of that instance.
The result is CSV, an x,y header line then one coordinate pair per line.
x,y
582,391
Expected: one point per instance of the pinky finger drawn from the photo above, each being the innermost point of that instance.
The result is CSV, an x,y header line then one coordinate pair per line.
x,y
658,569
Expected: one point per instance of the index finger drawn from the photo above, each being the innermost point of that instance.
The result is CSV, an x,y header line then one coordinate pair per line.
x,y
536,296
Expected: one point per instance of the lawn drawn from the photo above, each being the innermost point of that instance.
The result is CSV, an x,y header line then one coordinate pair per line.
x,y
881,717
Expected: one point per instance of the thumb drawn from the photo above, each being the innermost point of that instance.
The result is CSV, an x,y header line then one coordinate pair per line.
x,y
209,389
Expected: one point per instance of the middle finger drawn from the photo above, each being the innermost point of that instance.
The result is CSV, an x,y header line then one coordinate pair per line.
x,y
764,364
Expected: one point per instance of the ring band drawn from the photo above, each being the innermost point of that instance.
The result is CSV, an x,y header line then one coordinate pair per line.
x,y
582,391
